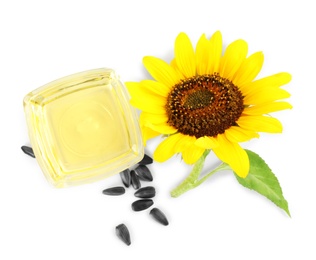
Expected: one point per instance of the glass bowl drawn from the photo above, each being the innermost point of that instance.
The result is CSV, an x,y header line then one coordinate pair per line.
x,y
82,128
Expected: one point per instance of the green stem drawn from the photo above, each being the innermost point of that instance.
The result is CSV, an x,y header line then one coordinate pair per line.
x,y
192,181
222,167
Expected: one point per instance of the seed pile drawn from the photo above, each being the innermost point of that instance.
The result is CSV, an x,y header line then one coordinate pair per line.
x,y
135,177
145,194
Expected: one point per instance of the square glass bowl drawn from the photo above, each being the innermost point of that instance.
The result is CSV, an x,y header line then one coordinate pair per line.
x,y
82,128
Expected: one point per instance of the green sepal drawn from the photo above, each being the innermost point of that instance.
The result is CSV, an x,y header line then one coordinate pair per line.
x,y
262,180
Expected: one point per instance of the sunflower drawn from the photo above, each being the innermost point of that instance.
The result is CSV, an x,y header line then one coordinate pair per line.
x,y
204,100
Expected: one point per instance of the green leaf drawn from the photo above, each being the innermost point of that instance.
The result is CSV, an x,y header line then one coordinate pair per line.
x,y
262,180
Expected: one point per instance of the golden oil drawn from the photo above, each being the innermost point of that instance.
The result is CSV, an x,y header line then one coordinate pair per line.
x,y
82,128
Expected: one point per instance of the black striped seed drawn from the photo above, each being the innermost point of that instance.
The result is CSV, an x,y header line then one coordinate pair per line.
x,y
28,150
143,173
146,160
142,204
158,215
126,177
135,180
123,233
115,191
145,192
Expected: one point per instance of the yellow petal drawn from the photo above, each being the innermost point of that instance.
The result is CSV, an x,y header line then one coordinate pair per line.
x,y
174,65
216,46
165,149
267,108
184,55
208,54
139,91
249,69
154,118
260,124
161,71
184,142
162,128
234,56
142,118
272,81
206,142
236,134
148,107
202,56
155,87
232,154
145,100
265,95
148,133
133,88
192,154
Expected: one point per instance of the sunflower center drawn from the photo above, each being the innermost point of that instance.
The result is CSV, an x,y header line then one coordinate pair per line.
x,y
204,105
198,99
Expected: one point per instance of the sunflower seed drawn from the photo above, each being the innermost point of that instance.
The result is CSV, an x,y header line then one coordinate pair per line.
x,y
146,192
123,233
146,160
126,177
28,150
139,205
135,180
143,173
114,191
159,216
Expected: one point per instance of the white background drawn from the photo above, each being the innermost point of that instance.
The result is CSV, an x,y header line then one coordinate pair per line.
x,y
45,40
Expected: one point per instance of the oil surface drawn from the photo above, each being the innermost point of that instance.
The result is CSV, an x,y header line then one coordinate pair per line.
x,y
86,129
